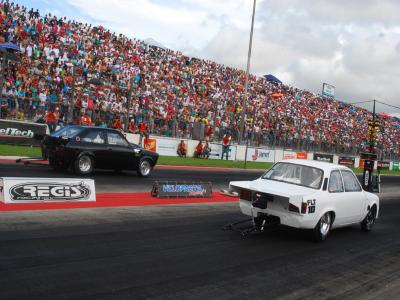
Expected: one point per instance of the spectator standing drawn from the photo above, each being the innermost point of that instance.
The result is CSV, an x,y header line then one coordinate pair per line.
x,y
226,143
51,120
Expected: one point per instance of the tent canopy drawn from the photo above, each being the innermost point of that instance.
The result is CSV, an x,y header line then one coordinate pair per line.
x,y
10,46
272,78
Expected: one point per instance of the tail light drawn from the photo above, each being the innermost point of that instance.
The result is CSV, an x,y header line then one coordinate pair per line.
x,y
304,207
293,208
245,195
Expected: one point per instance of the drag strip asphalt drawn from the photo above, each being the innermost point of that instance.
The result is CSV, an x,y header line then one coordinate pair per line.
x,y
181,252
109,181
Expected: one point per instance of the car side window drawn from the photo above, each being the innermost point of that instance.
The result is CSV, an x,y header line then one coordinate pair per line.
x,y
115,139
351,183
93,136
335,183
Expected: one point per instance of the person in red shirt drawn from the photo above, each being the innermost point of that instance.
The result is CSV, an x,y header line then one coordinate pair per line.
x,y
182,151
142,131
51,120
85,119
198,152
131,126
117,124
226,142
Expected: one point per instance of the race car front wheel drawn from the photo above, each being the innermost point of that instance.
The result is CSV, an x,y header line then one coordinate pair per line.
x,y
322,229
144,168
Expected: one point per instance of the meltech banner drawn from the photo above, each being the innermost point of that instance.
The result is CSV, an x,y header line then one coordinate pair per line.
x,y
21,133
260,155
347,161
38,190
323,157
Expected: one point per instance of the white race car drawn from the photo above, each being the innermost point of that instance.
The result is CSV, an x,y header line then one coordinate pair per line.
x,y
308,194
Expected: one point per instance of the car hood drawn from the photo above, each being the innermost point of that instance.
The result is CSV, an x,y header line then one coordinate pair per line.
x,y
273,187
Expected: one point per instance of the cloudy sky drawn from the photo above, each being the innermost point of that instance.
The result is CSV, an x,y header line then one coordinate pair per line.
x,y
353,45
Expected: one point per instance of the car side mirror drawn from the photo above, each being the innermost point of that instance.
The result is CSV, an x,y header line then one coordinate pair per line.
x,y
137,151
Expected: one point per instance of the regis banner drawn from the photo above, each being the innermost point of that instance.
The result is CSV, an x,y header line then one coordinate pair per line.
x,y
37,190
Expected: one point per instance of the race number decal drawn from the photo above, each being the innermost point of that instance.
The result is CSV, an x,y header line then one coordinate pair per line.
x,y
311,206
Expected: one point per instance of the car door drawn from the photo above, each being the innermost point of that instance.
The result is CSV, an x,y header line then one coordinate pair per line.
x,y
336,196
94,141
354,197
120,152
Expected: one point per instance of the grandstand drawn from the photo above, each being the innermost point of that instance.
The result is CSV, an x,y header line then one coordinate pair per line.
x,y
77,69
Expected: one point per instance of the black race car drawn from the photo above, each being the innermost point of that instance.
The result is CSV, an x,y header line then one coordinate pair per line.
x,y
84,148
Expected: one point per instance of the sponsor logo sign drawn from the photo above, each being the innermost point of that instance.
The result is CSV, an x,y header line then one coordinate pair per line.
x,y
174,189
52,191
260,155
346,161
396,165
167,147
294,155
31,190
328,90
301,155
16,132
384,165
150,144
323,157
216,152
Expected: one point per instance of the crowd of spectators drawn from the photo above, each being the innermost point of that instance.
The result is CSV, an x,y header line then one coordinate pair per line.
x,y
86,74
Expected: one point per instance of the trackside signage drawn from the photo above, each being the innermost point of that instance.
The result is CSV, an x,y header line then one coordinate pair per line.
x,y
184,189
260,155
37,190
21,133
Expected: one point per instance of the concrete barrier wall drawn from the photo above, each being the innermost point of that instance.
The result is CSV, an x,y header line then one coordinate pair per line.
x,y
240,149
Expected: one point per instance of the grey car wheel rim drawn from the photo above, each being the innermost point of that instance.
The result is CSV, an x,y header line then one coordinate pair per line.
x,y
325,224
85,164
370,219
145,167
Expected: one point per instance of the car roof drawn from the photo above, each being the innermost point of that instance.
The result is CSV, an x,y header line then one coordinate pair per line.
x,y
91,127
324,166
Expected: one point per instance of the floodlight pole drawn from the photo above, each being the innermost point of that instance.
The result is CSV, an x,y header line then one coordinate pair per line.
x,y
246,84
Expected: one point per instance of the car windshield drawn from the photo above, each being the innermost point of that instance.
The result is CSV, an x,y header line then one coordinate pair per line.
x,y
67,131
295,174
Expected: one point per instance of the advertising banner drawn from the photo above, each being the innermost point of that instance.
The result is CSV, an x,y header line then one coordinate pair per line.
x,y
294,155
150,144
182,189
39,190
323,157
260,155
328,90
21,133
301,155
216,152
384,165
347,161
167,147
396,165
289,155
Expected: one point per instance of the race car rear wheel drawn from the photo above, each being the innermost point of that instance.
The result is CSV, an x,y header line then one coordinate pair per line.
x,y
323,228
369,220
83,165
144,167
